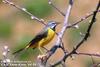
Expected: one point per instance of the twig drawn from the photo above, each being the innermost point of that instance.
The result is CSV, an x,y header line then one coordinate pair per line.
x,y
82,19
24,10
84,39
89,28
93,62
50,2
77,22
60,35
88,54
59,44
63,64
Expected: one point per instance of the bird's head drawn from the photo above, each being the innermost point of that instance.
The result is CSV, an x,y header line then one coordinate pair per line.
x,y
52,24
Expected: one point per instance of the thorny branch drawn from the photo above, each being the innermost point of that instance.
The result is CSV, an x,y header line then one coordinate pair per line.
x,y
59,43
60,35
41,20
77,22
88,54
24,10
54,48
50,2
89,28
74,51
82,19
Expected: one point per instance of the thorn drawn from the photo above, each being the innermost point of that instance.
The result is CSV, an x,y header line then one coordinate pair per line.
x,y
4,1
10,3
83,18
89,21
23,9
76,26
4,53
74,47
32,17
82,34
5,47
42,20
73,57
50,2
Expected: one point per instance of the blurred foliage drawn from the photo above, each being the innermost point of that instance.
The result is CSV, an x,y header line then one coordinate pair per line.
x,y
39,8
0,1
28,54
88,62
21,43
5,29
75,36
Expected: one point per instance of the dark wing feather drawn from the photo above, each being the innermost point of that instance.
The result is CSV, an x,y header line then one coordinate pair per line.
x,y
19,50
38,37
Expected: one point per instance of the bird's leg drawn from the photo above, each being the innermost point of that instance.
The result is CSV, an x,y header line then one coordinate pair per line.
x,y
45,48
40,50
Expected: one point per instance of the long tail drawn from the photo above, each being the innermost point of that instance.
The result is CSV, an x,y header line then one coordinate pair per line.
x,y
18,51
22,49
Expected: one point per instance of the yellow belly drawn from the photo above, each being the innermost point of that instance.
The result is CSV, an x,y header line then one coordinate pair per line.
x,y
49,37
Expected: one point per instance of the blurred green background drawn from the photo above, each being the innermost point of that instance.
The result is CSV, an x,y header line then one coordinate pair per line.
x,y
17,29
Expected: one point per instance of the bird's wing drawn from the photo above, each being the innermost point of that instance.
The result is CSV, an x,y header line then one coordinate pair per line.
x,y
38,37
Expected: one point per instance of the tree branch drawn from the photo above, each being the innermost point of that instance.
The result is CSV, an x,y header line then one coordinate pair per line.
x,y
84,39
24,10
88,54
82,19
50,2
59,44
60,35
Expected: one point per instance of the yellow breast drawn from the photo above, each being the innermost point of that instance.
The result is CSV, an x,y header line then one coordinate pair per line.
x,y
49,37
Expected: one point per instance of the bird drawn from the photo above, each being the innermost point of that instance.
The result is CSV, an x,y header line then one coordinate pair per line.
x,y
42,38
